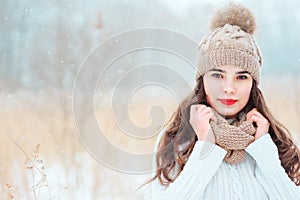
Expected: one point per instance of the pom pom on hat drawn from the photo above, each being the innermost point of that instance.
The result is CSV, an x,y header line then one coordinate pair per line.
x,y
234,14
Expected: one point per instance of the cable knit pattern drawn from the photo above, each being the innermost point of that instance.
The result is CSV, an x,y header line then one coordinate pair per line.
x,y
235,181
233,138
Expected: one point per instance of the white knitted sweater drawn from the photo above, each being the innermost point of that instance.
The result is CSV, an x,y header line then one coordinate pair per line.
x,y
207,176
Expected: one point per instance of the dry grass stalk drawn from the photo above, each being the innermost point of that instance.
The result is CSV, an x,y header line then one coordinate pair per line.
x,y
11,192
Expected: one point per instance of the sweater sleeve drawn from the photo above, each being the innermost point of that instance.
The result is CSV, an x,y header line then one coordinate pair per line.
x,y
269,170
202,164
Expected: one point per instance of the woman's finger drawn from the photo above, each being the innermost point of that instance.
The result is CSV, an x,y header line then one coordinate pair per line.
x,y
254,118
213,117
250,113
194,108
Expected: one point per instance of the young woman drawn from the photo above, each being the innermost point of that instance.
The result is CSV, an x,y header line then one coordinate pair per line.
x,y
223,142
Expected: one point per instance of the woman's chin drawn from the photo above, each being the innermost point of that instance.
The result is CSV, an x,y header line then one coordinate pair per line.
x,y
228,113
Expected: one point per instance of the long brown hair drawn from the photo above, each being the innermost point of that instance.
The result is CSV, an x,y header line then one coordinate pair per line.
x,y
179,139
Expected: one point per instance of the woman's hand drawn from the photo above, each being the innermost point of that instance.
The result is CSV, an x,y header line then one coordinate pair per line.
x,y
200,115
261,122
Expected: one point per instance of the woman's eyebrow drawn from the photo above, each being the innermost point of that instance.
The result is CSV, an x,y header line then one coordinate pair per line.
x,y
217,70
223,71
242,72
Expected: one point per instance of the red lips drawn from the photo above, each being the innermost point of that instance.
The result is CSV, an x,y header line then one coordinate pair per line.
x,y
228,102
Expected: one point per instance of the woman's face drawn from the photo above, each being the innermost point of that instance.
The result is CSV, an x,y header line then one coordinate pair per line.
x,y
227,89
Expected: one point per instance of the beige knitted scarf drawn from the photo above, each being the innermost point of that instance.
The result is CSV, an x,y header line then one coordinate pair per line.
x,y
233,137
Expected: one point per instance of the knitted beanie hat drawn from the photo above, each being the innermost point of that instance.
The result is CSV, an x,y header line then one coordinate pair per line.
x,y
230,42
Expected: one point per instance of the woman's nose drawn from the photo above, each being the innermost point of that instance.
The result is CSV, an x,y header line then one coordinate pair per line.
x,y
229,87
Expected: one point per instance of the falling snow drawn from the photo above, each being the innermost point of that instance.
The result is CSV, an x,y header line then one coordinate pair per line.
x,y
43,46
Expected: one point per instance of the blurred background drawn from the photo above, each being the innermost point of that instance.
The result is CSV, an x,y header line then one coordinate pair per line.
x,y
43,46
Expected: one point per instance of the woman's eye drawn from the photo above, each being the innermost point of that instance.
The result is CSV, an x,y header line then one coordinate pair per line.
x,y
217,75
242,77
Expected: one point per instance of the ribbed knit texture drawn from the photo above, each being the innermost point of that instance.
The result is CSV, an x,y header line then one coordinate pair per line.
x,y
260,176
234,137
